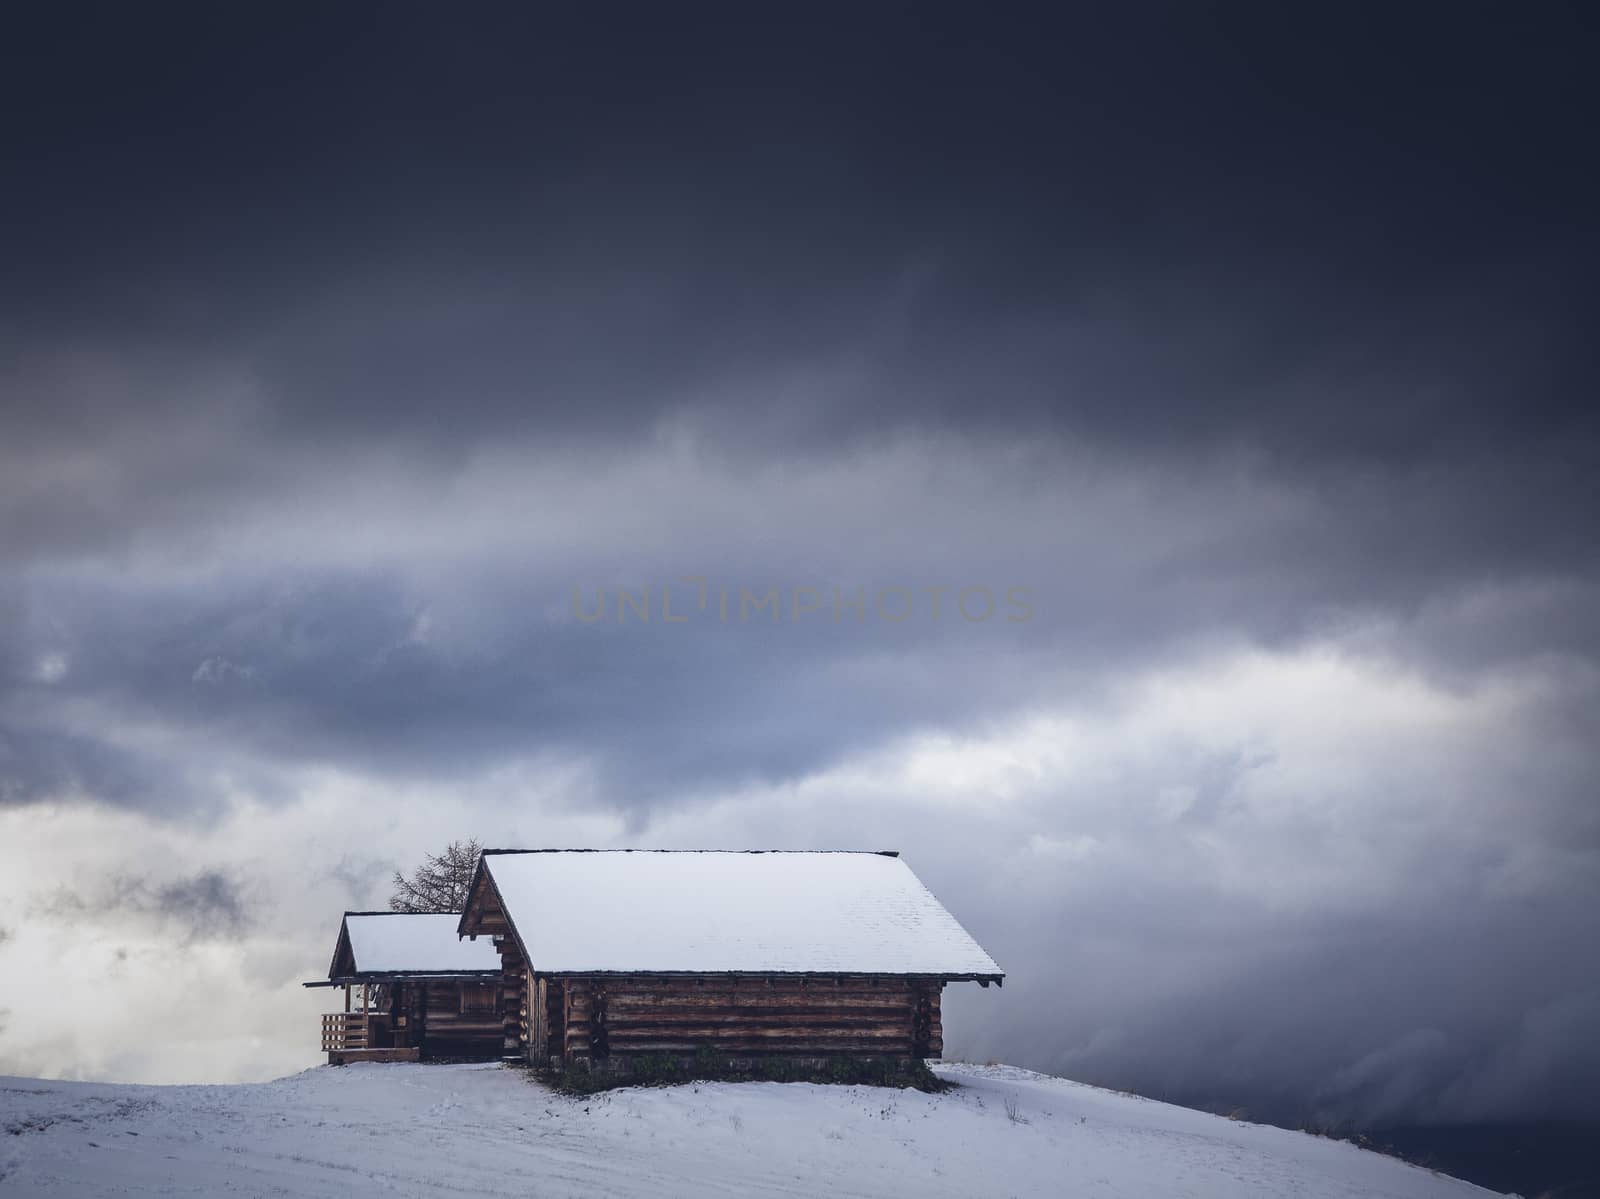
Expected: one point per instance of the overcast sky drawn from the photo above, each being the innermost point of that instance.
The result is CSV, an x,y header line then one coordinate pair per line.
x,y
1169,433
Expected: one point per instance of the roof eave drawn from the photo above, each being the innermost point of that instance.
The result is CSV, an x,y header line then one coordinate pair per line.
x,y
368,976
472,889
942,976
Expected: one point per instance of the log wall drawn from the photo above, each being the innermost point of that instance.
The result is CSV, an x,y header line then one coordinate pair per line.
x,y
486,918
450,1031
516,999
806,1016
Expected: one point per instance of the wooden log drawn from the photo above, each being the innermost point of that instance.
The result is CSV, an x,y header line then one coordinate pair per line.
x,y
753,984
624,1001
733,1022
884,1047
776,1032
775,1011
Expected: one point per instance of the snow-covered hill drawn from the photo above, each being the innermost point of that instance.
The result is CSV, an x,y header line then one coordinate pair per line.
x,y
482,1130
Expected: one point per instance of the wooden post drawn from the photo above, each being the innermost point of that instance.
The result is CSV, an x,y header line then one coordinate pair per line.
x,y
347,997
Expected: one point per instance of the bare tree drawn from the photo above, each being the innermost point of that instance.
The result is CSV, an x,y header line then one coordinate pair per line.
x,y
440,883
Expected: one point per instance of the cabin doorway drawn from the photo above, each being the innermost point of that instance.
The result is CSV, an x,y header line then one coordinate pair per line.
x,y
556,1009
548,1018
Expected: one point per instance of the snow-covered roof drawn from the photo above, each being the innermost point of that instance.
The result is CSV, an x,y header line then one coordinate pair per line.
x,y
415,943
713,911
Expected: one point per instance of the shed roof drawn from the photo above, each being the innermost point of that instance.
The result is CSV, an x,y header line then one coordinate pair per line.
x,y
398,943
714,911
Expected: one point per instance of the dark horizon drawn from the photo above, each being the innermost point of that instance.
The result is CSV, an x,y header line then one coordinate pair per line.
x,y
1235,361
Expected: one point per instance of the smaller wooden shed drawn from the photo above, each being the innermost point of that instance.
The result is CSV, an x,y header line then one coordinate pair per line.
x,y
412,991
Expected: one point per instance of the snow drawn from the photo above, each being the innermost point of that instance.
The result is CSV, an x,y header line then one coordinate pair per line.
x,y
709,910
394,942
484,1130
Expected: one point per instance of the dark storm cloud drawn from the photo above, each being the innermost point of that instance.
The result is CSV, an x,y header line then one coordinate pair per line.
x,y
40,764
414,669
1478,1013
926,225
342,347
361,877
338,671
491,231
208,905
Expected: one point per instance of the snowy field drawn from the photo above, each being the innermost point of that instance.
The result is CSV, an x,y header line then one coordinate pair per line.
x,y
481,1130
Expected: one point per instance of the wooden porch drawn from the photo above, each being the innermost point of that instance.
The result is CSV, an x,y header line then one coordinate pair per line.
x,y
348,1037
362,1035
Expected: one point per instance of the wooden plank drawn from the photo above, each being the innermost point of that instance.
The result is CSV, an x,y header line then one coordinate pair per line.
x,y
351,1054
715,1022
733,1045
772,1012
634,1001
772,1032
749,984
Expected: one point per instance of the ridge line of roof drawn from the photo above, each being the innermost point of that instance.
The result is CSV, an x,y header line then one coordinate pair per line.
x,y
440,912
882,853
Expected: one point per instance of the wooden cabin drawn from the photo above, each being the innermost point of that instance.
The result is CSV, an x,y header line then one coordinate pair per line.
x,y
612,955
413,990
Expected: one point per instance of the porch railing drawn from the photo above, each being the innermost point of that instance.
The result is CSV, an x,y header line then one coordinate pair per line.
x,y
344,1030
